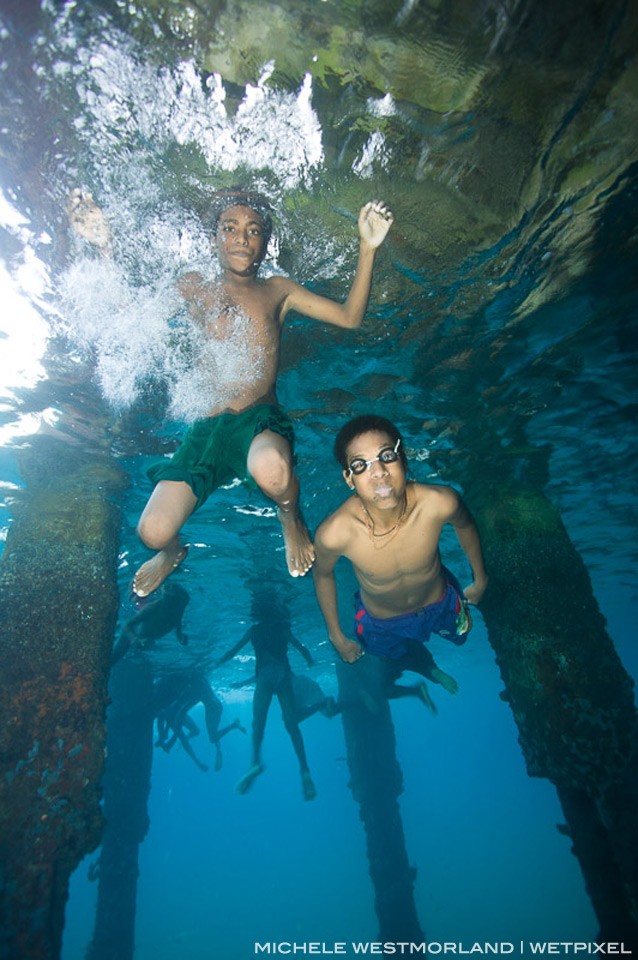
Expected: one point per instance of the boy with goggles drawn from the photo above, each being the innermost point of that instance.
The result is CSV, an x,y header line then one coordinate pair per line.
x,y
388,455
390,531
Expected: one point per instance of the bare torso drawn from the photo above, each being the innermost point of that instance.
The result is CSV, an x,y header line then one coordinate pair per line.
x,y
401,571
250,313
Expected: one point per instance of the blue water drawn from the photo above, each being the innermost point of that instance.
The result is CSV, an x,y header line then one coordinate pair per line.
x,y
219,872
543,290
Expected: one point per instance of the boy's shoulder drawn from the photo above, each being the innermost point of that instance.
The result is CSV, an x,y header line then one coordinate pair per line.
x,y
432,489
337,526
438,497
282,294
192,283
278,281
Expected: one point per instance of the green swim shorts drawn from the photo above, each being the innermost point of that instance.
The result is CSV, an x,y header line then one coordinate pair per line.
x,y
215,449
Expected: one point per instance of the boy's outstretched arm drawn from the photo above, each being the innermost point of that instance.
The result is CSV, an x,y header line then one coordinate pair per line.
x,y
225,657
303,650
375,219
470,540
326,591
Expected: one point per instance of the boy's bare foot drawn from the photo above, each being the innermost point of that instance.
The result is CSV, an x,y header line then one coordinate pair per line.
x,y
446,681
155,571
246,781
300,553
87,219
308,787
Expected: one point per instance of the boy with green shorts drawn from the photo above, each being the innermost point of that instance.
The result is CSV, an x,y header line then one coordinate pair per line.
x,y
250,436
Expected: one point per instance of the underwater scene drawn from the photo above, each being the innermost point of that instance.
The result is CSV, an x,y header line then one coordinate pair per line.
x,y
345,667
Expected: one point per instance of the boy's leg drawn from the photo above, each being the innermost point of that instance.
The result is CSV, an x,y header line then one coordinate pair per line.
x,y
419,690
162,731
303,713
191,728
270,465
235,725
262,698
183,739
169,507
419,659
286,698
392,670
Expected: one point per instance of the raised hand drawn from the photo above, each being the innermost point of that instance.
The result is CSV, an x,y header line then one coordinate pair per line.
x,y
375,219
88,221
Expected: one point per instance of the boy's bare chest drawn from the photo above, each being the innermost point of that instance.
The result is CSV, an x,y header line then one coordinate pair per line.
x,y
409,550
249,314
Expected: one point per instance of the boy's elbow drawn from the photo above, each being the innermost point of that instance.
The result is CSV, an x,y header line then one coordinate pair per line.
x,y
352,321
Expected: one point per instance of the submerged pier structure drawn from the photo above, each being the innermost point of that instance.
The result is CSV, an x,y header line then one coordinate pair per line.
x,y
376,782
58,605
127,785
570,695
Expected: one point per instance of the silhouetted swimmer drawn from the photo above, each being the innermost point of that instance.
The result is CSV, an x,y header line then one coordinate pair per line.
x,y
175,696
309,697
270,636
156,618
248,435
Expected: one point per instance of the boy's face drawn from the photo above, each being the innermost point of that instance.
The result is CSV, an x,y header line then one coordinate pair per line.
x,y
239,240
381,484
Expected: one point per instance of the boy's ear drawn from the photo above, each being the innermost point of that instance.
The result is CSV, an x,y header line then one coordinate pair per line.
x,y
348,479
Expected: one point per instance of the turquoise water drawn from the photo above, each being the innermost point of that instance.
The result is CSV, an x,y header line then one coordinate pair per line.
x,y
502,317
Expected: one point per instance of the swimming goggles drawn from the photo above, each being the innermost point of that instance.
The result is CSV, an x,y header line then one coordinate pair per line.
x,y
387,455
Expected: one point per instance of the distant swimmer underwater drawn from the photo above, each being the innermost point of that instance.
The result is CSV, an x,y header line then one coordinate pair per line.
x,y
390,531
250,437
271,636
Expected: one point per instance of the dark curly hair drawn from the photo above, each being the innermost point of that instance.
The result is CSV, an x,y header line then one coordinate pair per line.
x,y
366,423
241,196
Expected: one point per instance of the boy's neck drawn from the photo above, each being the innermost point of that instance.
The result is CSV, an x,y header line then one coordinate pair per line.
x,y
383,521
230,279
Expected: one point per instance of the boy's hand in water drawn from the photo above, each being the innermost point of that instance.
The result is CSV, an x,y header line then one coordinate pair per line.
x,y
374,222
349,650
474,593
88,221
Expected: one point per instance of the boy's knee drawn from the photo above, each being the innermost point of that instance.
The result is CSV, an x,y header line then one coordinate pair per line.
x,y
271,470
153,532
291,725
